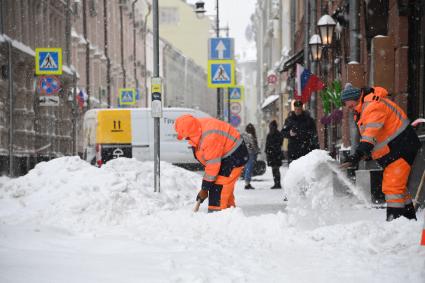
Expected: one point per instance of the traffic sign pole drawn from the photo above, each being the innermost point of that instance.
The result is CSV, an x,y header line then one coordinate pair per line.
x,y
156,157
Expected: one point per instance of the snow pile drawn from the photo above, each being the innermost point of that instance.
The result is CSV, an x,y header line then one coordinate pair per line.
x,y
317,190
69,192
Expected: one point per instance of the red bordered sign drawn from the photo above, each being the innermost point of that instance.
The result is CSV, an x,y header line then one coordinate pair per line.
x,y
48,85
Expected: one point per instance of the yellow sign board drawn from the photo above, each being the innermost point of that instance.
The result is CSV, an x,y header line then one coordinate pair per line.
x,y
113,127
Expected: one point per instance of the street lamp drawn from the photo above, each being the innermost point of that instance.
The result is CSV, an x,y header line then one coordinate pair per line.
x,y
326,26
315,44
200,11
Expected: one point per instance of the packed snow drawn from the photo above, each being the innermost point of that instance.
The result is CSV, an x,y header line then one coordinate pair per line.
x,y
67,221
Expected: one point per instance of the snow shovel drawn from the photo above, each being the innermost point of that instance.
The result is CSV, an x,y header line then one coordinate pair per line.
x,y
196,208
418,192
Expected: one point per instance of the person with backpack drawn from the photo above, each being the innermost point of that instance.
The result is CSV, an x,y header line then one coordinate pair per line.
x,y
250,139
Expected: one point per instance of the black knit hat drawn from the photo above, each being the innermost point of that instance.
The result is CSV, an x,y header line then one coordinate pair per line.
x,y
350,93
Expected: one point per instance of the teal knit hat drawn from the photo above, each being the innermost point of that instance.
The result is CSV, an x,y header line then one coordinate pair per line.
x,y
350,93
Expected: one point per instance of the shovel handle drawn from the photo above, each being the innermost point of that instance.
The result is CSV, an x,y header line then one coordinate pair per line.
x,y
196,208
418,192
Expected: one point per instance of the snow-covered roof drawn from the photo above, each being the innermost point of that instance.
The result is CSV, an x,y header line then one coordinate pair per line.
x,y
270,99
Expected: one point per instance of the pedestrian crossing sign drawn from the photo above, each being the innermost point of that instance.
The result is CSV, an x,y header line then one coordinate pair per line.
x,y
48,61
221,73
236,93
127,96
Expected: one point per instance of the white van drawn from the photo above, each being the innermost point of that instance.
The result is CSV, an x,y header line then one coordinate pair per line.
x,y
113,133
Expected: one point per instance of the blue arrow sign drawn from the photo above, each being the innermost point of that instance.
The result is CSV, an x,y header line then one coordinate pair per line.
x,y
221,48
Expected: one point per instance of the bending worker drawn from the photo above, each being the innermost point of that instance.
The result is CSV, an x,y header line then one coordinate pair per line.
x,y
220,148
388,138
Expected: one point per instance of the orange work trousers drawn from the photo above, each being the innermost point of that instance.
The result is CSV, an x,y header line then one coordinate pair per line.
x,y
394,184
221,195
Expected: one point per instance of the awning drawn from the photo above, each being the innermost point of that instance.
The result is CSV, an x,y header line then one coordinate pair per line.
x,y
297,58
269,99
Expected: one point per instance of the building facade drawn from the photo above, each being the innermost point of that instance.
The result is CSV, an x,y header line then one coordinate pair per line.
x,y
106,45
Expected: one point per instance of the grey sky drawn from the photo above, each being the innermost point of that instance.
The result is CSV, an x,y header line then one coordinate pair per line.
x,y
237,14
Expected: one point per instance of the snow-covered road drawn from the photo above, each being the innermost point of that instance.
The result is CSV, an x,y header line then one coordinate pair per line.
x,y
69,222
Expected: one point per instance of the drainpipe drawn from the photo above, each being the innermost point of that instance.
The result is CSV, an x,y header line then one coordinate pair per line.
x,y
313,21
122,46
11,102
87,52
106,51
134,45
354,56
145,72
293,12
306,33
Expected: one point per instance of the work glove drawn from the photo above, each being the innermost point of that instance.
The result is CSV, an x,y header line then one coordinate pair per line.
x,y
351,161
202,195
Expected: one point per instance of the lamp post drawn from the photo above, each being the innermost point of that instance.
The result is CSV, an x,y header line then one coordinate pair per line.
x,y
326,25
315,44
200,11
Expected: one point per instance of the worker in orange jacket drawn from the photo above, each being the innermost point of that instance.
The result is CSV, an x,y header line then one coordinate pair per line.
x,y
388,138
220,148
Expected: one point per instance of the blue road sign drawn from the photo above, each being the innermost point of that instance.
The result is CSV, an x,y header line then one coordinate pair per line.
x,y
48,85
127,96
221,48
235,93
235,120
221,73
48,61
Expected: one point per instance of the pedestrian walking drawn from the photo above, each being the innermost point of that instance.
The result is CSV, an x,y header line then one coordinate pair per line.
x,y
274,152
388,138
250,139
300,130
220,148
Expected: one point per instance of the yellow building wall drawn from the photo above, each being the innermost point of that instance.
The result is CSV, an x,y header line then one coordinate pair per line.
x,y
189,34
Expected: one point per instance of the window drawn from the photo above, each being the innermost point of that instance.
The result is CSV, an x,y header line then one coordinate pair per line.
x,y
92,8
169,16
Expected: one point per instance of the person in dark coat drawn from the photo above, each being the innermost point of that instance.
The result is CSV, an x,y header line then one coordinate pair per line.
x,y
274,153
300,130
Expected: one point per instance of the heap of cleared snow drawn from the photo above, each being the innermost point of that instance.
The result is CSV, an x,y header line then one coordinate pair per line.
x,y
316,189
69,192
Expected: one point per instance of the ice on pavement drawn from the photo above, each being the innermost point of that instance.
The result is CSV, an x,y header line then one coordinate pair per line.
x,y
67,221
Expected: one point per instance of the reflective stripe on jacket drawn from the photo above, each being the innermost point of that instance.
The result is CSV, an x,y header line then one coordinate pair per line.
x,y
213,140
381,121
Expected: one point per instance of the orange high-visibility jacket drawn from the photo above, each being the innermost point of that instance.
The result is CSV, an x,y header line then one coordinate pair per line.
x,y
381,120
212,139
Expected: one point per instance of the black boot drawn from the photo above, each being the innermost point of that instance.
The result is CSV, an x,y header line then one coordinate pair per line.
x,y
394,212
409,211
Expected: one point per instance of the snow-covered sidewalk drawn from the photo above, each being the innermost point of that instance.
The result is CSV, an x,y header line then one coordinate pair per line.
x,y
67,221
